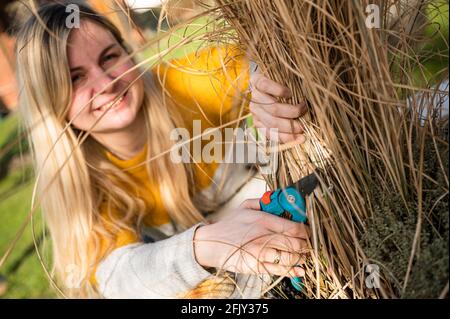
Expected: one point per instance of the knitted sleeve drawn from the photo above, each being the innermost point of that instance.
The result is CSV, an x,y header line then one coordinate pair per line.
x,y
163,269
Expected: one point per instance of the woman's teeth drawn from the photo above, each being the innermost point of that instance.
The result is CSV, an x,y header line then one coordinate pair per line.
x,y
111,104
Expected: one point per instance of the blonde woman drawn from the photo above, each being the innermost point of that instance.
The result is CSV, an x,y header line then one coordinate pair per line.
x,y
124,221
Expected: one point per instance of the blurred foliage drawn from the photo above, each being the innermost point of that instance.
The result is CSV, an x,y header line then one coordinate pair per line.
x,y
197,28
22,271
433,52
11,143
390,233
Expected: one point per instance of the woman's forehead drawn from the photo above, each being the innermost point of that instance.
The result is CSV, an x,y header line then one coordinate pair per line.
x,y
87,42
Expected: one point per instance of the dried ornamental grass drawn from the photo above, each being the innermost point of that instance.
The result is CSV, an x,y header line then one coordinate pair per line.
x,y
377,160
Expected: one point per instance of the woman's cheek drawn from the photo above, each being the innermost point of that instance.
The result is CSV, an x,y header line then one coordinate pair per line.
x,y
124,72
136,89
79,113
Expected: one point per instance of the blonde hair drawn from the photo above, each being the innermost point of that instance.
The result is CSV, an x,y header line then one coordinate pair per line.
x,y
71,180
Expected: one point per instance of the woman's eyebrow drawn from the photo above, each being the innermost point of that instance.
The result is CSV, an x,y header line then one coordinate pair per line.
x,y
105,50
102,53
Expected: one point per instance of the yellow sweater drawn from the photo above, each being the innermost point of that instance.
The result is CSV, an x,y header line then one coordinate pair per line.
x,y
207,86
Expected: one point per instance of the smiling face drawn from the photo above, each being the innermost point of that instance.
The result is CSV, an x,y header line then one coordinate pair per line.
x,y
92,50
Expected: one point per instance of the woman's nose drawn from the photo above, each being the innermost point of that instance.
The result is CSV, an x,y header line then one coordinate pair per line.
x,y
102,81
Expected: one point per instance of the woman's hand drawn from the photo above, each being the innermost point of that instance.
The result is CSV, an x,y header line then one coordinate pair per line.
x,y
252,242
269,113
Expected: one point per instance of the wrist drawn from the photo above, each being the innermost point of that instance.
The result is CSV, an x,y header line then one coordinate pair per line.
x,y
202,247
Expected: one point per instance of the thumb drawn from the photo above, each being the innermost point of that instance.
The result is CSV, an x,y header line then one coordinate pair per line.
x,y
251,204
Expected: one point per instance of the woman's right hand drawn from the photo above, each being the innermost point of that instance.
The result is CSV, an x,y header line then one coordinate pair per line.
x,y
251,241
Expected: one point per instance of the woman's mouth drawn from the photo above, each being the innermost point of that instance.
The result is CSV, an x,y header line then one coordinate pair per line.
x,y
113,105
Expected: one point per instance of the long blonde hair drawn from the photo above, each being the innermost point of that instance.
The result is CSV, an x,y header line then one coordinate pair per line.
x,y
72,175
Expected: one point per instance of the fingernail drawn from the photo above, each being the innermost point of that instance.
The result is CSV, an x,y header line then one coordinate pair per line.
x,y
303,106
301,139
299,271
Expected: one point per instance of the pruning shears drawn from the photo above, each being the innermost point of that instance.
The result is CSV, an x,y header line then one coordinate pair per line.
x,y
289,202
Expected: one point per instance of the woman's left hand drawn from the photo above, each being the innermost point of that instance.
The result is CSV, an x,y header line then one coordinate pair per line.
x,y
268,113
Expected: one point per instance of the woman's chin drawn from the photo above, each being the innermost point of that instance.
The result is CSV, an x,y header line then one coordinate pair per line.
x,y
114,121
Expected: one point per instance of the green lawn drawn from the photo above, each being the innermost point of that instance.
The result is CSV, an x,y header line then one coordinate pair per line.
x,y
434,52
23,273
196,29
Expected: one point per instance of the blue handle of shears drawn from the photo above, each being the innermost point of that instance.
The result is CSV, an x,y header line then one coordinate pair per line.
x,y
286,203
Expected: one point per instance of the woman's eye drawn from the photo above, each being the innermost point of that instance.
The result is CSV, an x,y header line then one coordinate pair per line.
x,y
77,78
110,57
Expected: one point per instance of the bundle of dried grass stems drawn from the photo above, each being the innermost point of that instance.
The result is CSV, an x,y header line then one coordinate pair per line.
x,y
377,138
